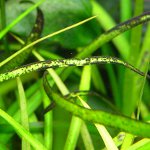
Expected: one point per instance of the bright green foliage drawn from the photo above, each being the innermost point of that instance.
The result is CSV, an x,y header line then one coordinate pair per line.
x,y
107,93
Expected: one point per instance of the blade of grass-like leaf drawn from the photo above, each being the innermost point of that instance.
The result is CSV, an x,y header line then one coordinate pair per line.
x,y
24,114
64,91
48,117
21,131
140,145
125,9
129,82
109,143
41,39
141,93
33,104
142,64
85,84
145,49
20,17
76,122
29,92
86,138
112,33
136,33
106,22
101,117
48,125
73,133
125,13
32,90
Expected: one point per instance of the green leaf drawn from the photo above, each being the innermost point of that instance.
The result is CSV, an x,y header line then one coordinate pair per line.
x,y
24,113
18,17
96,116
21,131
58,14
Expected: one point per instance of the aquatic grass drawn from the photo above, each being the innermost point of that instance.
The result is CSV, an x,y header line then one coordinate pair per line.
x,y
109,143
134,54
76,123
41,39
21,131
125,14
91,78
24,114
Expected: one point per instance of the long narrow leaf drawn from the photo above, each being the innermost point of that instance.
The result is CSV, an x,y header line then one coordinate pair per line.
x,y
21,131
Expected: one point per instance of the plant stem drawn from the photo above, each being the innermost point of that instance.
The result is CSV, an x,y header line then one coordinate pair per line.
x,y
130,90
